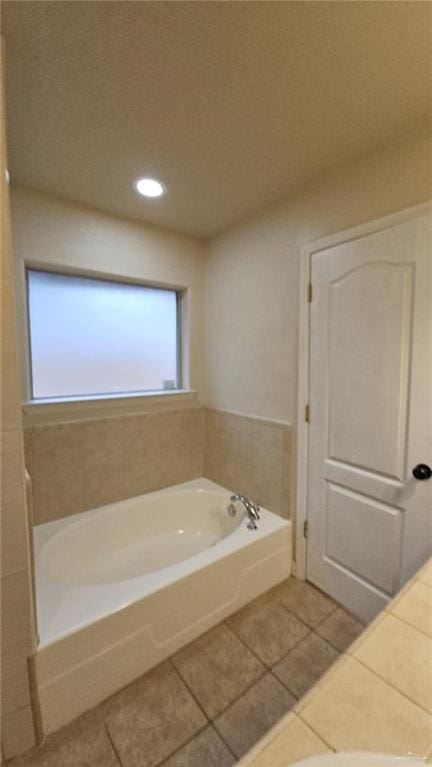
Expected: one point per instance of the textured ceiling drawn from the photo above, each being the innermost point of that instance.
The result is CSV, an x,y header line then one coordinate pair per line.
x,y
232,104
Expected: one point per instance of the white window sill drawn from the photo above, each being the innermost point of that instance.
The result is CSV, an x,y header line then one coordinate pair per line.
x,y
52,411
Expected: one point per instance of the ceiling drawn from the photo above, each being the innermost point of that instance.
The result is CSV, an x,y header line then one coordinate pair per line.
x,y
232,104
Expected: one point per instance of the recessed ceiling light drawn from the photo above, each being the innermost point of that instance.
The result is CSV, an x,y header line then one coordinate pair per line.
x,y
149,187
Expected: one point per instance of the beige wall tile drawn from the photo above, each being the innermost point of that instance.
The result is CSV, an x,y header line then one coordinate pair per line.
x,y
57,473
10,404
86,464
13,536
27,435
17,633
266,487
15,692
402,656
296,741
17,732
267,444
16,616
83,465
12,485
16,646
357,710
250,456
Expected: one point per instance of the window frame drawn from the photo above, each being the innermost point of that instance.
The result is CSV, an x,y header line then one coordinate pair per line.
x,y
113,399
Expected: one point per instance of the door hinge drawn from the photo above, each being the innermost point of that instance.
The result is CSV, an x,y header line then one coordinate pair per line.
x,y
307,413
305,528
309,292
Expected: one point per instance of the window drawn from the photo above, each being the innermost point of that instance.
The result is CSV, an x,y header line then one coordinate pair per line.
x,y
91,337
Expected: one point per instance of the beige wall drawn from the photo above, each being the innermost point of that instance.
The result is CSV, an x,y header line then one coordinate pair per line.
x,y
53,232
17,624
252,275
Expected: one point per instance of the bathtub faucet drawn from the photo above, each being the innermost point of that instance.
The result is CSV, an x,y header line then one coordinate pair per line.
x,y
252,509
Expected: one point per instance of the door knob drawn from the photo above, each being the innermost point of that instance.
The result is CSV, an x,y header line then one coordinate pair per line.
x,y
422,471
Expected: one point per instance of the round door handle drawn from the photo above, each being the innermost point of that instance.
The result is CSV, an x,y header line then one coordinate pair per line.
x,y
422,471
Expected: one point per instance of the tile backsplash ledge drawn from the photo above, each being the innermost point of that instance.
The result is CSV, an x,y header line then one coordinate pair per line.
x,y
79,465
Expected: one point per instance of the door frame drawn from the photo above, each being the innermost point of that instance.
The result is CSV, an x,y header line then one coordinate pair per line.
x,y
306,253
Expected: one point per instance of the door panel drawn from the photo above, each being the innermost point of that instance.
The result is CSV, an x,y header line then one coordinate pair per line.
x,y
367,333
370,522
363,535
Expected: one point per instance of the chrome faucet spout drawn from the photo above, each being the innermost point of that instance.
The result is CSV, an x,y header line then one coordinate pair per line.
x,y
252,509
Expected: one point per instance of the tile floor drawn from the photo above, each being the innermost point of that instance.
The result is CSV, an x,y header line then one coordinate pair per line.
x,y
213,700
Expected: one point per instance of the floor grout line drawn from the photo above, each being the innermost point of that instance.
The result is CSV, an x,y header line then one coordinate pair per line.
x,y
245,644
111,741
336,606
186,684
183,745
237,758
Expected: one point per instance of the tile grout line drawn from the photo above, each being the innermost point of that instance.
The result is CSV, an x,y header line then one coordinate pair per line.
x,y
177,671
237,759
209,722
337,606
112,744
412,625
306,723
183,745
245,644
237,698
310,631
200,730
340,654
391,685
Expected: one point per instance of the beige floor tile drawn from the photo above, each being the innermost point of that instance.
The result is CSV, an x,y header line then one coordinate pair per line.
x,y
84,743
301,668
426,573
250,717
403,657
218,668
415,607
153,717
304,600
206,750
340,629
357,710
296,741
268,629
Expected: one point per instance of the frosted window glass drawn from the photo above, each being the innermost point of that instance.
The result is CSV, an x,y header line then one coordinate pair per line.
x,y
92,337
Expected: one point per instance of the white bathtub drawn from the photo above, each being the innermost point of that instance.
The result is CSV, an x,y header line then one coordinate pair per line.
x,y
124,586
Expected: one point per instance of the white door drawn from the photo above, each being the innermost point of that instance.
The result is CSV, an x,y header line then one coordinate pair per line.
x,y
369,519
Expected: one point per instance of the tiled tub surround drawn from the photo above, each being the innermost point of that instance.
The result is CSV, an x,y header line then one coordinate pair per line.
x,y
105,620
214,699
253,455
17,616
377,697
83,464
